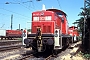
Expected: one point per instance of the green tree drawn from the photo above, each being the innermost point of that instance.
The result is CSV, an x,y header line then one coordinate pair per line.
x,y
80,22
86,13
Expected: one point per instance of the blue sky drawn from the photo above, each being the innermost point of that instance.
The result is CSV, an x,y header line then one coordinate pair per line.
x,y
22,10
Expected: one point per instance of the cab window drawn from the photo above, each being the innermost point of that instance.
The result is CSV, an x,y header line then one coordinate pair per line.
x,y
61,15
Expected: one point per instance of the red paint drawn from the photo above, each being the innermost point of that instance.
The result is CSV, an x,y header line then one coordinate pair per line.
x,y
73,31
48,26
13,33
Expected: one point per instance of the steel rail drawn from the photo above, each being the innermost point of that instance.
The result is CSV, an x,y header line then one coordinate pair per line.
x,y
4,48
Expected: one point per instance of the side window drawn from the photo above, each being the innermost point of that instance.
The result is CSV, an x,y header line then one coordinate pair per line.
x,y
60,15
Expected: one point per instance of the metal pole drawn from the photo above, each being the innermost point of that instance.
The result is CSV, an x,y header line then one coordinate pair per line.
x,y
11,21
19,26
83,41
84,16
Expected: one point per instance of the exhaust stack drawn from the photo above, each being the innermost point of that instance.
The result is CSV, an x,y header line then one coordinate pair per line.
x,y
43,7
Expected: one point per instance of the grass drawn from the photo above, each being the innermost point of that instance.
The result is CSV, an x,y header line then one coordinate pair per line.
x,y
86,56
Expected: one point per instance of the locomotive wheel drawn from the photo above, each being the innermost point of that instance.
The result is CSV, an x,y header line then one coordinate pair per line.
x,y
48,48
54,52
34,45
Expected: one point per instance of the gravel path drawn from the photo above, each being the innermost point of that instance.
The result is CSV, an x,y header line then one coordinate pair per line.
x,y
12,54
68,54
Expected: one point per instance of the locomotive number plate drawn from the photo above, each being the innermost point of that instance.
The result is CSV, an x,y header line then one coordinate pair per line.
x,y
42,18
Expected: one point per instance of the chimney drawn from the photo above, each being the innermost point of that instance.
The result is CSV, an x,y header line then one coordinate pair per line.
x,y
43,7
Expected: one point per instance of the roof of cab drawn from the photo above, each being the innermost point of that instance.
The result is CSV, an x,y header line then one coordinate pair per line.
x,y
56,10
73,27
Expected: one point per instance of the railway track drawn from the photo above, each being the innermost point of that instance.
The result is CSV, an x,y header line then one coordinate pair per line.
x,y
4,48
30,55
36,56
26,57
48,58
9,42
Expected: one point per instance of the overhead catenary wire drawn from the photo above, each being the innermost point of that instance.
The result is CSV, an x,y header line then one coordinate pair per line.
x,y
24,5
4,14
59,4
5,22
33,4
15,12
16,16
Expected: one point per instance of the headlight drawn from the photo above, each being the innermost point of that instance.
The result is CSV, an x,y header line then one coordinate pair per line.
x,y
56,33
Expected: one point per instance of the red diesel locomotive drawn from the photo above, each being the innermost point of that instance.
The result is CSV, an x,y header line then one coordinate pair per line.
x,y
49,31
73,31
9,34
